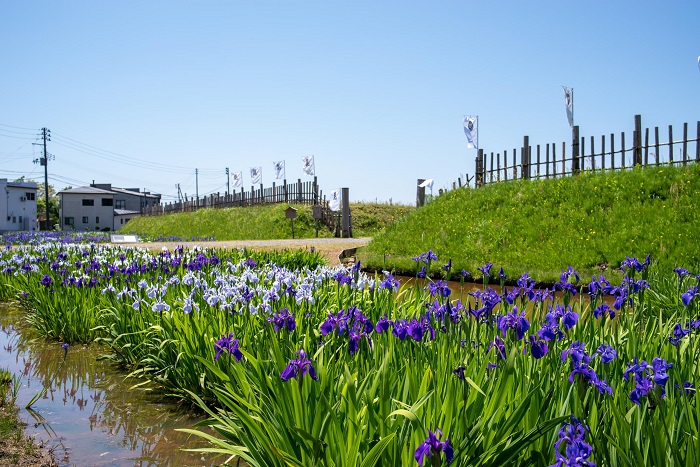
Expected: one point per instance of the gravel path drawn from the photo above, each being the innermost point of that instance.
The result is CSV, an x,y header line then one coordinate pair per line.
x,y
328,247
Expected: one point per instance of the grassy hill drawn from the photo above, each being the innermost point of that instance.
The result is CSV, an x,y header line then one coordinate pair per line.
x,y
260,222
591,221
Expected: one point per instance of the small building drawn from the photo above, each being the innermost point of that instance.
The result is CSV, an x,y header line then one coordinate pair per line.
x,y
101,206
17,206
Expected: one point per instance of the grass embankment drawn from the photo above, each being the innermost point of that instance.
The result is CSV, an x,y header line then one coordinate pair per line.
x,y
260,222
591,221
15,448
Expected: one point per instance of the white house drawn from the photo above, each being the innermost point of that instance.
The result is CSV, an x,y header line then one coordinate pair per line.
x,y
17,205
101,206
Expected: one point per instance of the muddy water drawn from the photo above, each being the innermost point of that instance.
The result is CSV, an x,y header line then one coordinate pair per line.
x,y
89,415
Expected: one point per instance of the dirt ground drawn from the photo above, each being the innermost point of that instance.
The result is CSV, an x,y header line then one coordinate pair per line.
x,y
330,248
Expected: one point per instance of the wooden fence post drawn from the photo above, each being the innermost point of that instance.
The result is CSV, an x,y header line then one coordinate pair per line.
x,y
299,190
479,168
685,143
575,163
670,144
697,144
315,190
637,140
525,158
346,224
420,193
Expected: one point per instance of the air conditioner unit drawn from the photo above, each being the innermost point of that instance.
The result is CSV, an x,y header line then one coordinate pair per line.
x,y
22,198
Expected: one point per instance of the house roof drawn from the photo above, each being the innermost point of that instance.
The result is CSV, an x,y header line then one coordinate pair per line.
x,y
134,193
125,212
85,190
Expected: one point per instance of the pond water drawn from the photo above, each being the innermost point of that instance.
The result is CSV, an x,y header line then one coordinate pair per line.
x,y
89,414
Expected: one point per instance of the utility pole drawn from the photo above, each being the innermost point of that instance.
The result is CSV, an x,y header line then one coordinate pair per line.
x,y
46,135
227,182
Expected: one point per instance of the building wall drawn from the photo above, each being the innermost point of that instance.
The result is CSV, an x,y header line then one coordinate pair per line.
x,y
97,215
17,206
132,202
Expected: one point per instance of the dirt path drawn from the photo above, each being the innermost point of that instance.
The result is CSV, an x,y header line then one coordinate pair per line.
x,y
330,248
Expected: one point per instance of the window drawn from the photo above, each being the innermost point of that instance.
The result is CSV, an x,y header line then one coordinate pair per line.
x,y
107,201
120,204
30,196
143,203
69,221
88,202
14,219
97,220
20,219
85,219
121,221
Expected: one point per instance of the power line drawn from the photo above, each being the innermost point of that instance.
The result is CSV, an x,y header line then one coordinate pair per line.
x,y
20,127
93,150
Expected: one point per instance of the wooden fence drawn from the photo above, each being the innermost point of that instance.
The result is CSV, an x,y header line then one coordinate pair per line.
x,y
543,162
288,193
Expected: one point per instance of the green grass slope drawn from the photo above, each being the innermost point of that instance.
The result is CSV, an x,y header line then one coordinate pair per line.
x,y
591,221
260,222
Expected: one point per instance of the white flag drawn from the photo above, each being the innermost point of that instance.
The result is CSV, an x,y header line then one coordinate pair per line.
x,y
569,100
255,175
279,170
427,183
334,202
470,129
309,168
699,61
237,179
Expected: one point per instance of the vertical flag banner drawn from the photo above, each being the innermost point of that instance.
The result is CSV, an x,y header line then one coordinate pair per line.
x,y
255,175
309,167
237,179
279,170
569,100
699,61
472,131
334,201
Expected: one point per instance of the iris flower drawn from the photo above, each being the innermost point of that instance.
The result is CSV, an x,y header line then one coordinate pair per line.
x,y
298,368
432,447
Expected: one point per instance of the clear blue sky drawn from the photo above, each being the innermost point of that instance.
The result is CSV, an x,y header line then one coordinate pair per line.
x,y
375,90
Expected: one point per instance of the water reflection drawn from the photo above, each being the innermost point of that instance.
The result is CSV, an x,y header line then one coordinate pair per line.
x,y
88,412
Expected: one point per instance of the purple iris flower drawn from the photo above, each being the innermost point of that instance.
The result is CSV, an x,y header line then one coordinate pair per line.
x,y
298,368
515,321
602,310
502,275
46,281
459,372
577,352
677,334
568,274
500,347
382,324
688,296
485,269
642,389
681,272
439,288
576,449
415,330
421,273
400,329
283,319
229,344
688,388
607,353
538,347
389,282
432,447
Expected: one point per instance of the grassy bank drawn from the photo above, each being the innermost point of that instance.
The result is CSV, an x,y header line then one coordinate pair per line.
x,y
15,448
261,222
591,221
